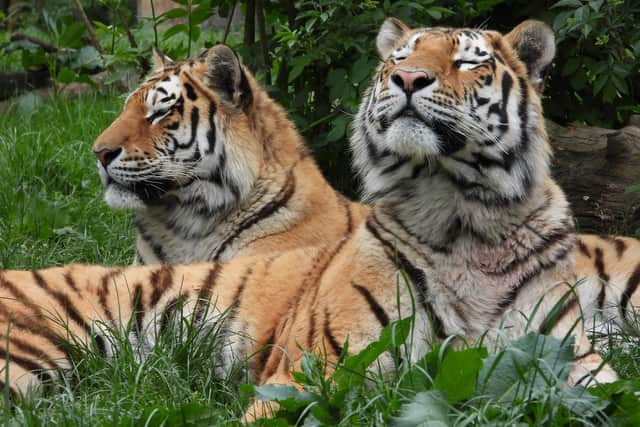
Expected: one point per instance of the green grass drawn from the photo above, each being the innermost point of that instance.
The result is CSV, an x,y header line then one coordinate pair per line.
x,y
51,207
51,213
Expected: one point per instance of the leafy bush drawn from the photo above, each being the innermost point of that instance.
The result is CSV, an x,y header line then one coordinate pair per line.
x,y
316,57
522,383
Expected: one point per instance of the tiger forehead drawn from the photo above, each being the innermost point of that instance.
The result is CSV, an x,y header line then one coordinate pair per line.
x,y
455,42
172,74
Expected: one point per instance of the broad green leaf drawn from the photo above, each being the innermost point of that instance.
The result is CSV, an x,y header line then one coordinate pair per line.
x,y
458,373
179,28
178,12
600,82
360,70
527,366
571,65
66,76
88,57
567,3
352,371
426,409
279,393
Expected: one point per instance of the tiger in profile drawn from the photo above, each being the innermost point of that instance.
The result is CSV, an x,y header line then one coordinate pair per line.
x,y
451,145
214,168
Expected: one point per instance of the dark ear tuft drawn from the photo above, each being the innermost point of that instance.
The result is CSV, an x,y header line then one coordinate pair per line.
x,y
225,75
390,33
160,60
535,45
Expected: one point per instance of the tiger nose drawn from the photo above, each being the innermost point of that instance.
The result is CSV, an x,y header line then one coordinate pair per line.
x,y
411,81
107,155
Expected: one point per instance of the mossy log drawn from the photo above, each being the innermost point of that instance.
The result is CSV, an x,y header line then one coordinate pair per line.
x,y
595,166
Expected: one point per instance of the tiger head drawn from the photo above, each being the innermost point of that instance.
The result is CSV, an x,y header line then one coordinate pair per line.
x,y
189,125
462,104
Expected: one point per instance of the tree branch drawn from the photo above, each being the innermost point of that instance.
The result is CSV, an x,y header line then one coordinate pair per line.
x,y
249,23
229,19
92,34
48,47
127,30
263,40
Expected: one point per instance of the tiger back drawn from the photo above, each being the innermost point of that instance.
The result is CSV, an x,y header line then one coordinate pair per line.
x,y
214,168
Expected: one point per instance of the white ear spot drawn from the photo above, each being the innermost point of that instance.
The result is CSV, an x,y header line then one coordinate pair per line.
x,y
390,33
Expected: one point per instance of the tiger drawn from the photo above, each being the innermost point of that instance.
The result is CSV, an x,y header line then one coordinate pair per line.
x,y
467,233
241,182
213,167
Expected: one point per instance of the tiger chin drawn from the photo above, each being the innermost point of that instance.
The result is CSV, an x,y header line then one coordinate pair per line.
x,y
214,168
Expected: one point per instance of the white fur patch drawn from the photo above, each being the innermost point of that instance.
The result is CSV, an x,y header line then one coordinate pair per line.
x,y
162,97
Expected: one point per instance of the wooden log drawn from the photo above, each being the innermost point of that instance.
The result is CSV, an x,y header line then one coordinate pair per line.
x,y
595,166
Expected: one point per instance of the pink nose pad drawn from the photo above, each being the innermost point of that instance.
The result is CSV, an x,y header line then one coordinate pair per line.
x,y
411,81
107,155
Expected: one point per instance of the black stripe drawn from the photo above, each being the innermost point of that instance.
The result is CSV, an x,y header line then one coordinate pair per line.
x,y
281,199
37,329
632,285
416,276
195,119
169,313
211,132
264,354
161,280
156,115
525,278
375,307
550,322
28,365
397,164
584,250
137,311
70,309
335,346
191,94
604,277
157,250
103,293
237,297
63,300
557,236
204,295
618,243
72,284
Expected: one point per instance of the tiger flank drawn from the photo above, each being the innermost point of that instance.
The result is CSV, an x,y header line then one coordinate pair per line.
x,y
451,146
214,168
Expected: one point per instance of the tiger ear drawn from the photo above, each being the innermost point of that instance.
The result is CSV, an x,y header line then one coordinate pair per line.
x,y
391,31
225,75
160,60
535,44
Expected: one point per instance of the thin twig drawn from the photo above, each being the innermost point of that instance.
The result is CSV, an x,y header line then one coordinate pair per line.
x,y
123,20
92,34
229,19
263,40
